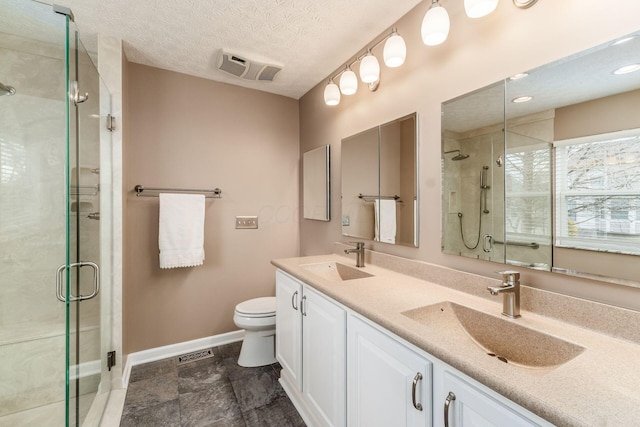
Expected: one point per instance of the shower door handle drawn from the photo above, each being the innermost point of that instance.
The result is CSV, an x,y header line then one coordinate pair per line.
x,y
75,94
59,280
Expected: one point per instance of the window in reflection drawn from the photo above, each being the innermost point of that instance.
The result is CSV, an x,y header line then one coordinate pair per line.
x,y
598,192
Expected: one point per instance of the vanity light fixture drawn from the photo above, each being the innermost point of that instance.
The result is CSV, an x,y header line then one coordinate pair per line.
x,y
479,8
395,52
524,4
521,99
436,22
348,82
627,69
331,93
435,25
369,68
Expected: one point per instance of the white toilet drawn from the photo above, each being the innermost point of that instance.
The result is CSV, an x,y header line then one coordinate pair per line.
x,y
258,318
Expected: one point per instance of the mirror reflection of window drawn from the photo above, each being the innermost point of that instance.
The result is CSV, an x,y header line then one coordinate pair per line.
x,y
598,192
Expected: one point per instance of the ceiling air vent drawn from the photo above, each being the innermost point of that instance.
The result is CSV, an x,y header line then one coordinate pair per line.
x,y
246,68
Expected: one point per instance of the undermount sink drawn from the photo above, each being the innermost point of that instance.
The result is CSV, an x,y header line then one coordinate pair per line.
x,y
498,337
335,271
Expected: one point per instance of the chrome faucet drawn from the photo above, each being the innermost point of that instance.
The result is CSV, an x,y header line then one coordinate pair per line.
x,y
359,250
510,291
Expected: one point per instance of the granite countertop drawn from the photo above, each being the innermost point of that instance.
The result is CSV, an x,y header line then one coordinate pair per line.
x,y
599,387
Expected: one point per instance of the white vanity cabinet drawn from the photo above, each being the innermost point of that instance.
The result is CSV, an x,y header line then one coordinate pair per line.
x,y
311,347
340,369
458,402
387,383
289,328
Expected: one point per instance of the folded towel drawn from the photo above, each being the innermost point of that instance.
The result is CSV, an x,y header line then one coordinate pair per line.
x,y
181,233
385,216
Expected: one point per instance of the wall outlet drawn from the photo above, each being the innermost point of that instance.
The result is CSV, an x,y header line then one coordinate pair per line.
x,y
246,222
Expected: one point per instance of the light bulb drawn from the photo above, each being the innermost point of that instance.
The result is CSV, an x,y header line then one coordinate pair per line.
x,y
369,69
479,8
348,82
331,94
435,25
395,51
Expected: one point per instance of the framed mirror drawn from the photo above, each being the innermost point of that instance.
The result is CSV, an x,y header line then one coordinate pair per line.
x,y
570,167
316,184
380,183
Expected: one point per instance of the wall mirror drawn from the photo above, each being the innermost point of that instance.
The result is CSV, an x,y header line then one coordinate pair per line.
x,y
380,183
551,174
315,182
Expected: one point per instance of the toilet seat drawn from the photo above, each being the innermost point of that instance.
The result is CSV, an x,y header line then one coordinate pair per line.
x,y
257,307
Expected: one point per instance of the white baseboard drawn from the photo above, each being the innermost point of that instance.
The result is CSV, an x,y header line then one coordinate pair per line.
x,y
159,353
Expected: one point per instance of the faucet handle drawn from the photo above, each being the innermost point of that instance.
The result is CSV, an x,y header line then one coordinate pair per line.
x,y
510,276
359,245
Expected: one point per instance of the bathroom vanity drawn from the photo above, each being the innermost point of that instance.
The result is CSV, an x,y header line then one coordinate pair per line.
x,y
402,342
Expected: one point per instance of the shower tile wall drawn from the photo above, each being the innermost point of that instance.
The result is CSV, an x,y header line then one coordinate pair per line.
x,y
32,233
461,185
32,226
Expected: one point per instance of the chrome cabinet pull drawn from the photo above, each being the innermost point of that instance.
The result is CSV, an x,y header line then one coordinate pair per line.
x,y
451,397
59,279
294,298
417,378
303,305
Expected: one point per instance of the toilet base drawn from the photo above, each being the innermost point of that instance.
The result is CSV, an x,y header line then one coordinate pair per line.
x,y
258,349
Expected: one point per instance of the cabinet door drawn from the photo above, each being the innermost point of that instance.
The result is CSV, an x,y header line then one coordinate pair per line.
x,y
289,327
473,408
323,364
387,384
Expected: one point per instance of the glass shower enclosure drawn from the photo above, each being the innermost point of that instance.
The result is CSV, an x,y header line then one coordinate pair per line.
x,y
55,222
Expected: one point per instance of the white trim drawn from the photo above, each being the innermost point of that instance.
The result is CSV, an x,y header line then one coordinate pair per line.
x,y
159,353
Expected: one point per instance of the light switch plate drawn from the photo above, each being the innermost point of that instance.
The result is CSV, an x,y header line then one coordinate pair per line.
x,y
246,222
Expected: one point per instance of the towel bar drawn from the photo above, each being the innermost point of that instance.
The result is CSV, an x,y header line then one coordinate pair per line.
x,y
216,193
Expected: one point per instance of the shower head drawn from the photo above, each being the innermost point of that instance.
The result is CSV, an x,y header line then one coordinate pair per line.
x,y
6,90
460,156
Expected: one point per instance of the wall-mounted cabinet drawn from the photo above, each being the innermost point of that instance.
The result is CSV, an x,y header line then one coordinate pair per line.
x,y
380,183
541,170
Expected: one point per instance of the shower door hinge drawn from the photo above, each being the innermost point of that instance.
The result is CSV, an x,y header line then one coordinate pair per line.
x,y
111,123
111,359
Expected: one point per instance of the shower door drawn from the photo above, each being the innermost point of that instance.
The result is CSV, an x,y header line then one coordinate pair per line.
x,y
473,174
88,307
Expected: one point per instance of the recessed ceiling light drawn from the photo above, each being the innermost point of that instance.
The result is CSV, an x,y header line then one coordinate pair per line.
x,y
627,69
522,99
518,76
623,40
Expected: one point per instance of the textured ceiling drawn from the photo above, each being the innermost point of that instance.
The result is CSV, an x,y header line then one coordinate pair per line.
x,y
310,39
578,78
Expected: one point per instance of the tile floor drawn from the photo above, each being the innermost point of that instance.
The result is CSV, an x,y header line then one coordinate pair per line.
x,y
212,392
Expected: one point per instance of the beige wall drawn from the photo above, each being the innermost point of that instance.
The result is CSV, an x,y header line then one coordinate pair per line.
x,y
477,53
603,115
188,132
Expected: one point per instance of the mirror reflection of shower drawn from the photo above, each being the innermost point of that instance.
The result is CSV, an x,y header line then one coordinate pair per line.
x,y
482,207
6,90
460,156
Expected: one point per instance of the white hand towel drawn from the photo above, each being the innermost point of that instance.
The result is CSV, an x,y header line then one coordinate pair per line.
x,y
181,233
385,216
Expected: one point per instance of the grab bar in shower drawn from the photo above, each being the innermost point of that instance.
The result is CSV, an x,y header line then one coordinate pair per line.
x,y
531,245
372,198
216,193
